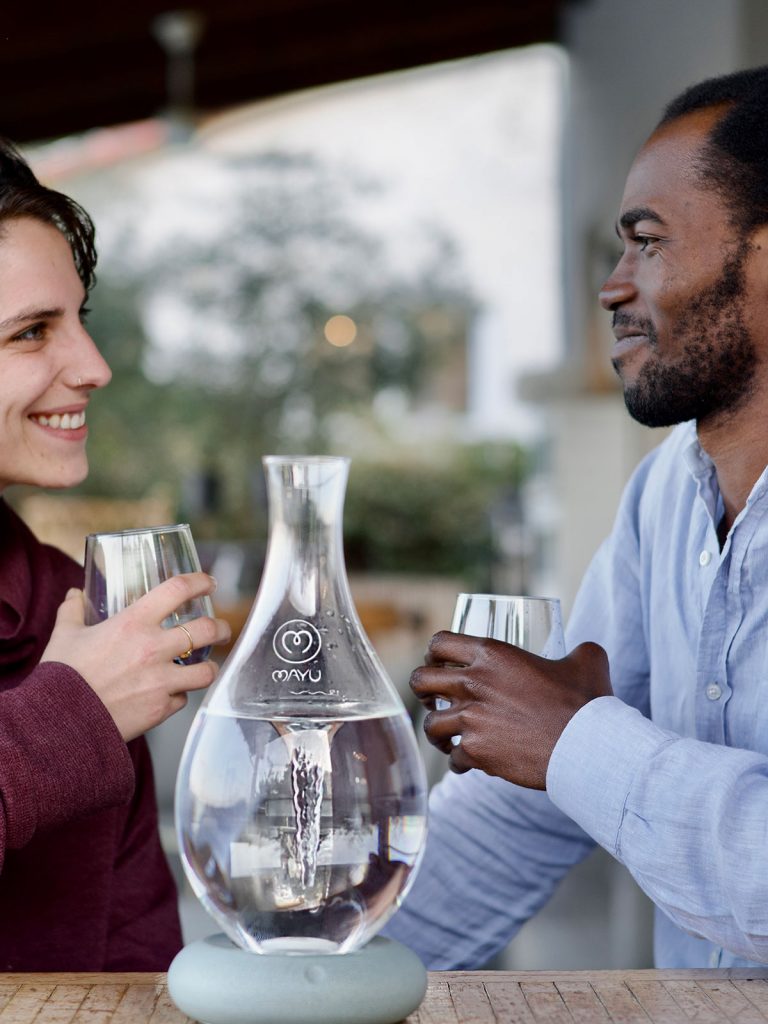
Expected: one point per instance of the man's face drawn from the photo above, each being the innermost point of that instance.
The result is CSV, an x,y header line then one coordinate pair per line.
x,y
682,294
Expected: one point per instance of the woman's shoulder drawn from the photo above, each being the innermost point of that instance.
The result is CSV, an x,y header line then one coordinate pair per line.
x,y
26,562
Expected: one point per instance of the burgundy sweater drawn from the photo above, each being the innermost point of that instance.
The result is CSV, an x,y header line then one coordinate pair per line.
x,y
84,884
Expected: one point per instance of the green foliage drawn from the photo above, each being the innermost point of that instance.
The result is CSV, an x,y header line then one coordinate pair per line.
x,y
237,364
430,518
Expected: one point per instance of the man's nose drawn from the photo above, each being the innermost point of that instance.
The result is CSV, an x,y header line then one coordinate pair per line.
x,y
619,288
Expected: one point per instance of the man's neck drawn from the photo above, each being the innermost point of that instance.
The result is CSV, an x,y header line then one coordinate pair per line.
x,y
739,449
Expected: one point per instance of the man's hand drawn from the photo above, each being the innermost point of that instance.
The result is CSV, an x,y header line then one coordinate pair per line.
x,y
508,706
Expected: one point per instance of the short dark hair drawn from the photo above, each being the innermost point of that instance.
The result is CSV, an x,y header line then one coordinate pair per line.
x,y
735,159
22,195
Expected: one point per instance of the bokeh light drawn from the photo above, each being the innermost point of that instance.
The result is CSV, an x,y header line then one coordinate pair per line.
x,y
340,331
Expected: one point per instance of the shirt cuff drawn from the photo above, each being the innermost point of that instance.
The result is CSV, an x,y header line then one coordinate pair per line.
x,y
594,764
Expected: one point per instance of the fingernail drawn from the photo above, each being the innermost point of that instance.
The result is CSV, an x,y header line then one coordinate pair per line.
x,y
213,580
72,592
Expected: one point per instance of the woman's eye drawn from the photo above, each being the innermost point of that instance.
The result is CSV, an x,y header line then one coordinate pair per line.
x,y
35,332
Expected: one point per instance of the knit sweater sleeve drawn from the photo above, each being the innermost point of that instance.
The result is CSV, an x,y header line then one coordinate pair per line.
x,y
61,755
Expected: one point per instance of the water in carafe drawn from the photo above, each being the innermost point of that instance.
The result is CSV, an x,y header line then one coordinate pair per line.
x,y
301,797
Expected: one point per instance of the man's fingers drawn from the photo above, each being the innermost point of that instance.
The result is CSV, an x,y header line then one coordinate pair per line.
x,y
441,726
428,682
453,648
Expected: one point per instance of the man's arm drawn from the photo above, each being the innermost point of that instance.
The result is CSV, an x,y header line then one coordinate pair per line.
x,y
688,819
495,851
494,855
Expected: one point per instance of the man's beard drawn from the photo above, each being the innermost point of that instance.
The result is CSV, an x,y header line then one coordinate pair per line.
x,y
715,372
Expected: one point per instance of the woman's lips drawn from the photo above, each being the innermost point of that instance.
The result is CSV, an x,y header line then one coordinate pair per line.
x,y
68,425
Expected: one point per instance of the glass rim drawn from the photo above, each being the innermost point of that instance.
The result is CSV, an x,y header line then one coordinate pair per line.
x,y
170,528
507,597
305,460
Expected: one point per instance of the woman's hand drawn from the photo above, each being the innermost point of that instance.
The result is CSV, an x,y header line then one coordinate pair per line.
x,y
508,706
129,658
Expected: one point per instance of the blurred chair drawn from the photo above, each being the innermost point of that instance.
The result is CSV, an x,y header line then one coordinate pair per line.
x,y
64,521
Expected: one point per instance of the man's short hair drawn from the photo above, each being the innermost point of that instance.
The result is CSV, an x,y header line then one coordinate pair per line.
x,y
735,158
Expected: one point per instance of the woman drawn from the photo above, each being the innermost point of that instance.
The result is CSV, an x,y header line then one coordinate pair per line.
x,y
84,885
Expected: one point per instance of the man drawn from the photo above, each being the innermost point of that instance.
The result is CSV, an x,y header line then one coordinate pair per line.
x,y
659,751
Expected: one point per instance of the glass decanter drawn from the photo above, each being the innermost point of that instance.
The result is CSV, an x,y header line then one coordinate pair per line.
x,y
301,796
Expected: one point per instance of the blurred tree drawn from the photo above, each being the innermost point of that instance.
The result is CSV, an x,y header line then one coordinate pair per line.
x,y
215,289
433,518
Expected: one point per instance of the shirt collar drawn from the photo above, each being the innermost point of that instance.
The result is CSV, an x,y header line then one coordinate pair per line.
x,y
702,469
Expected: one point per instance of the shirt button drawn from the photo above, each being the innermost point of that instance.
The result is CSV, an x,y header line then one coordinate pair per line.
x,y
705,558
713,691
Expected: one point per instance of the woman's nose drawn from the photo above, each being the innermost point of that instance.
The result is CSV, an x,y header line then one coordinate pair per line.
x,y
89,369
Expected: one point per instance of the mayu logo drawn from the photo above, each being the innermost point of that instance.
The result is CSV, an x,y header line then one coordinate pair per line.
x,y
297,642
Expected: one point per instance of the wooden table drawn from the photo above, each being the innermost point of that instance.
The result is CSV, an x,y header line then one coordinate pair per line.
x,y
479,997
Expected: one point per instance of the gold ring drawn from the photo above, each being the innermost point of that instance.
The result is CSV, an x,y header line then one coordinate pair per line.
x,y
191,647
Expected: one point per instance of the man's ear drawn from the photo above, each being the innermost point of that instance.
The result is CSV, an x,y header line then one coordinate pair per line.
x,y
756,267
759,250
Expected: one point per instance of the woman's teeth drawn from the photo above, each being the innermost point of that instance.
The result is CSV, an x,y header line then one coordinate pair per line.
x,y
69,421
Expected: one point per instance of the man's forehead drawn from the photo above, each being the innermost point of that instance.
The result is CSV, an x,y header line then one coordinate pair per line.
x,y
668,165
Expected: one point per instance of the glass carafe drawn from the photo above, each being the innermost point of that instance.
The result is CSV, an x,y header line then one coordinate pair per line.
x,y
301,796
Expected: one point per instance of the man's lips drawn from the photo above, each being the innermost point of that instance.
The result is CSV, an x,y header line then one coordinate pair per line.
x,y
627,338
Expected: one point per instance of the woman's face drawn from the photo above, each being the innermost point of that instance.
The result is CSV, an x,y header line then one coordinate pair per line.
x,y
48,363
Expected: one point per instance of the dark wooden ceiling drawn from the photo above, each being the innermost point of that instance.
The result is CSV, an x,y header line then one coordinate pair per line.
x,y
69,67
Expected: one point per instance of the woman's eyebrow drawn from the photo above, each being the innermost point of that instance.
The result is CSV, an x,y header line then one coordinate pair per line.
x,y
30,314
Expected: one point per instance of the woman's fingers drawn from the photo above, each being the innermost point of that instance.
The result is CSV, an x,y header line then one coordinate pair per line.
x,y
188,636
191,677
167,597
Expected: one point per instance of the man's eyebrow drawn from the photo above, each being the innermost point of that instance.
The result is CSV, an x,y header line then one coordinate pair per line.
x,y
631,217
28,315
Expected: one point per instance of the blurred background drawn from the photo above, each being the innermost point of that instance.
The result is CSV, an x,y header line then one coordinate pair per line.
x,y
373,230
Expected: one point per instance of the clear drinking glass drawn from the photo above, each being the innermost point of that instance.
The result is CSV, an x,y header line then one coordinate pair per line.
x,y
533,623
121,567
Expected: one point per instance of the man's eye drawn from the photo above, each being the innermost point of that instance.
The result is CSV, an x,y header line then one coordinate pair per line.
x,y
644,241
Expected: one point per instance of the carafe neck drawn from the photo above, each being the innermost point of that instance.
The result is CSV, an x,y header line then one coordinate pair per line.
x,y
305,557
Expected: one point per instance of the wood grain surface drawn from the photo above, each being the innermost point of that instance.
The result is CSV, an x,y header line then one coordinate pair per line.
x,y
480,997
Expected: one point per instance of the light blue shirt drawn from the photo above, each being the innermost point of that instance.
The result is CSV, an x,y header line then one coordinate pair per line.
x,y
670,775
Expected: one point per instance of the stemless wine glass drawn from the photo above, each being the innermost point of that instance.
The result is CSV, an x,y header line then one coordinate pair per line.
x,y
533,623
121,567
